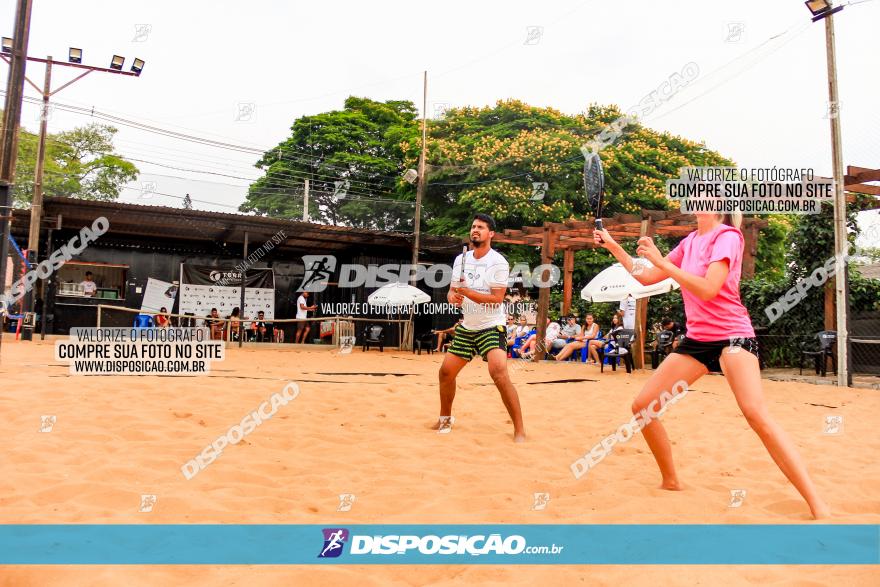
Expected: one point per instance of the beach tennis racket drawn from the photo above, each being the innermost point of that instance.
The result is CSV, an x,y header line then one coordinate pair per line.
x,y
594,186
464,250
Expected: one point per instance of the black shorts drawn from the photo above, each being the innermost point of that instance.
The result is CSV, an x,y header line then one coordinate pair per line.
x,y
468,343
708,353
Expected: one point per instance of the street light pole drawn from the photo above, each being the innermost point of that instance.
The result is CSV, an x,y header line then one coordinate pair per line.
x,y
423,180
9,142
37,198
841,243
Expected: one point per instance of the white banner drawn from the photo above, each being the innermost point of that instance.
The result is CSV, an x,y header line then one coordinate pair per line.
x,y
157,295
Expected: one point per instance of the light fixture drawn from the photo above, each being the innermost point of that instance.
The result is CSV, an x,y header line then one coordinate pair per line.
x,y
117,62
75,55
137,66
821,8
7,45
411,175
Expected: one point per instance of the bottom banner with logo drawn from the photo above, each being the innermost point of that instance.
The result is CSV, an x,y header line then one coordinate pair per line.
x,y
282,544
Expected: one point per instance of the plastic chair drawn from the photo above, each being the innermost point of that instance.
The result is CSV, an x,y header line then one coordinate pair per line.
x,y
424,341
827,342
623,350
585,352
518,342
664,346
374,335
143,321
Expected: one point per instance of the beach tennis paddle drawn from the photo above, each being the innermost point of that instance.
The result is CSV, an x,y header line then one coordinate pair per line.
x,y
464,250
594,186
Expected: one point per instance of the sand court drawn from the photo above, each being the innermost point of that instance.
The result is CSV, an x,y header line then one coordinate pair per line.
x,y
360,427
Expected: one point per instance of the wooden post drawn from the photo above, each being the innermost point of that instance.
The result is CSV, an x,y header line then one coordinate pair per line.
x,y
638,348
548,245
568,275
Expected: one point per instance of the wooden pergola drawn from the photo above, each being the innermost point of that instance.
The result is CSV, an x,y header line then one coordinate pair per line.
x,y
575,235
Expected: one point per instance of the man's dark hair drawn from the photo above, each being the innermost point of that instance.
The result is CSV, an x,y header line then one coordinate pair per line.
x,y
487,219
666,321
88,273
213,309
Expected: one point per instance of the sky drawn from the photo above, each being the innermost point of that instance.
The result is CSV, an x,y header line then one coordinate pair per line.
x,y
241,73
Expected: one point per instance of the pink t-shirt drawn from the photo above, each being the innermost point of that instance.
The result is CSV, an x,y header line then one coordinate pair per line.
x,y
723,316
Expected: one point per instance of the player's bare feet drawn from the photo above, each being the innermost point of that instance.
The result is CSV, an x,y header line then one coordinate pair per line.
x,y
821,511
671,485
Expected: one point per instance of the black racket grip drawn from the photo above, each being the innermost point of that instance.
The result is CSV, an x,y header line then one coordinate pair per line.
x,y
599,226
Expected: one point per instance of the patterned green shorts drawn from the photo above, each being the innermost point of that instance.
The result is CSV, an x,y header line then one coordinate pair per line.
x,y
468,343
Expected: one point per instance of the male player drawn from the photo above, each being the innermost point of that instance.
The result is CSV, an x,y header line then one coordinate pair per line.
x,y
482,331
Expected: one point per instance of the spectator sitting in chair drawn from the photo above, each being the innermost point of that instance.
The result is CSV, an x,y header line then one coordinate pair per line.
x,y
215,324
235,323
596,344
567,333
550,336
511,325
445,336
591,329
260,327
161,319
673,327
521,329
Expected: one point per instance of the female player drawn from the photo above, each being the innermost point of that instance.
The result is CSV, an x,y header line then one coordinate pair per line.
x,y
707,265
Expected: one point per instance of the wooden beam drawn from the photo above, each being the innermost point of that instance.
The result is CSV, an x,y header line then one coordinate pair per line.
x,y
567,277
547,250
868,190
638,348
862,174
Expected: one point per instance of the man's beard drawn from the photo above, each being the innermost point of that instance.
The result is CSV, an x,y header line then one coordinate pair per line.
x,y
475,240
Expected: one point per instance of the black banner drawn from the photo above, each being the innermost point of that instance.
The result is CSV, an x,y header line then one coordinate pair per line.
x,y
226,277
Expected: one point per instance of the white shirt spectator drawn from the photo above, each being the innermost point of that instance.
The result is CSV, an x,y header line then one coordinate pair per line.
x,y
628,305
89,287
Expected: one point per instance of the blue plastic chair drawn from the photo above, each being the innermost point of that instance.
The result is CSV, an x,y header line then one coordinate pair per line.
x,y
585,352
143,321
519,341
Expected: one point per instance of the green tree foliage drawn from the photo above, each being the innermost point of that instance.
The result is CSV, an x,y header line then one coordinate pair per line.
x,y
80,163
362,144
809,243
487,159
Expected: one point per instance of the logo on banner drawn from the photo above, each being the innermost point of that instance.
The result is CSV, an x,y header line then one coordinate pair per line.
x,y
318,269
334,540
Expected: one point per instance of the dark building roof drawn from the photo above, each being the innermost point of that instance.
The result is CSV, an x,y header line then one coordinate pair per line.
x,y
135,220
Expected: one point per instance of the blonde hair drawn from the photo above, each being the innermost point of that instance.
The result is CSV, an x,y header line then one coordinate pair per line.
x,y
733,219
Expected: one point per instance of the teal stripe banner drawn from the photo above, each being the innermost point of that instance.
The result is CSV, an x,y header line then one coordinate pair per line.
x,y
283,544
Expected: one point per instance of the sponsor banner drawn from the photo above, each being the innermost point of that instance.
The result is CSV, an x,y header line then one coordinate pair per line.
x,y
281,544
202,288
157,295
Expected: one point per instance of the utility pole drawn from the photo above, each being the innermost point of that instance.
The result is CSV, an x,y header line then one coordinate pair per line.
x,y
423,180
46,91
11,119
306,201
841,243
